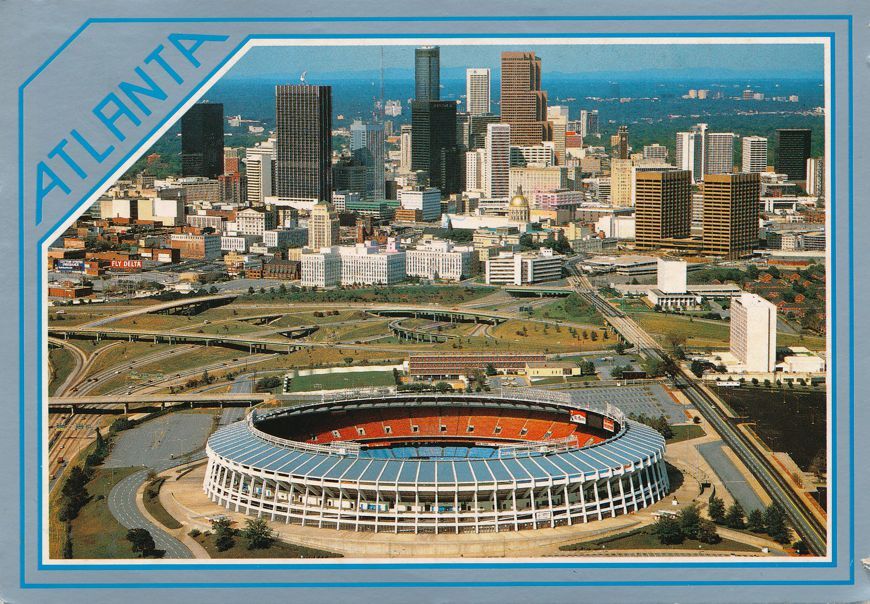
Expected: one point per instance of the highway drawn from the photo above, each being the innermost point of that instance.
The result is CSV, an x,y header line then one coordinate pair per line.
x,y
811,529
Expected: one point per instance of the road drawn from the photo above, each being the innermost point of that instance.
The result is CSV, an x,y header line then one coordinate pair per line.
x,y
801,516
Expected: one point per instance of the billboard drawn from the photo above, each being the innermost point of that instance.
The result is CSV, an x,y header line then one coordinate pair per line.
x,y
69,265
608,424
126,265
578,417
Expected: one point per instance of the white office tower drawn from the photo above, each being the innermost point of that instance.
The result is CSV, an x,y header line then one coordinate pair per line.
x,y
690,149
259,162
321,268
816,176
438,259
428,201
405,149
498,160
477,90
475,168
719,156
655,152
754,154
671,276
588,122
753,333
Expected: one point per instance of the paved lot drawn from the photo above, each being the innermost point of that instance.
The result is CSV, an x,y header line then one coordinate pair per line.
x,y
160,441
730,476
648,399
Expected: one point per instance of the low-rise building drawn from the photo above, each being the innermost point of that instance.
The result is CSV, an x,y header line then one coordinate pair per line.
x,y
197,247
522,268
437,259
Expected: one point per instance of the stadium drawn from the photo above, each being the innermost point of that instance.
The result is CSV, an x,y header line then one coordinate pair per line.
x,y
437,463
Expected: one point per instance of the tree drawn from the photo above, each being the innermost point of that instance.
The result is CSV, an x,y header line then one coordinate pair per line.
x,y
716,509
620,347
707,532
775,525
668,530
443,387
258,533
617,371
348,360
141,540
224,542
690,521
697,368
800,548
734,517
755,521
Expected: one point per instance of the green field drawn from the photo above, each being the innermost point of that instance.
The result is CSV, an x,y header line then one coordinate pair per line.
x,y
643,539
278,549
151,500
447,295
62,364
95,532
338,381
572,308
686,432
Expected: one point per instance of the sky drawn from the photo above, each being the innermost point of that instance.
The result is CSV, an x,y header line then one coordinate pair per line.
x,y
590,61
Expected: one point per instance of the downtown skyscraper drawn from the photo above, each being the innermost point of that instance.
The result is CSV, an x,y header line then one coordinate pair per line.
x,y
793,149
303,116
523,102
427,73
754,154
202,141
433,143
367,148
477,90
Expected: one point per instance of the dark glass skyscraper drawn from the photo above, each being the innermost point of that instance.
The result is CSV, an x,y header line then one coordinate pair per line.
x,y
202,140
793,149
427,72
433,144
303,116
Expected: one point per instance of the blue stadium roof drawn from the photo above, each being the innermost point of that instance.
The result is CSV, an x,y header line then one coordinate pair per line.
x,y
634,444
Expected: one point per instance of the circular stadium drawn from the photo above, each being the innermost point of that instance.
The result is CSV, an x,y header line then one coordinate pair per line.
x,y
437,463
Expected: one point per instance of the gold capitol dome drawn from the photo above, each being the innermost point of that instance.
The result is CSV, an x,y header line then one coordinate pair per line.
x,y
519,200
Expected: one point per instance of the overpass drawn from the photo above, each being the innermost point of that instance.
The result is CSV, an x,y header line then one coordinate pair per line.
x,y
539,292
241,342
440,314
185,306
78,404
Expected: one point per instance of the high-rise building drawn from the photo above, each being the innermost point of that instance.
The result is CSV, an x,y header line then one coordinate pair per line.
x,y
754,154
523,102
558,116
663,207
427,73
620,181
690,151
322,226
433,143
259,167
475,170
202,140
588,122
477,129
477,90
816,176
620,149
655,152
730,227
367,148
719,154
428,201
498,160
303,116
405,148
753,333
793,149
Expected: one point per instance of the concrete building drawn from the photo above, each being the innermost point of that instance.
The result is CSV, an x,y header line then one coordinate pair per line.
x,y
690,151
671,276
533,179
719,154
523,103
428,201
513,268
285,238
475,171
321,268
655,152
537,155
497,156
255,221
816,176
438,259
322,227
557,200
405,149
197,247
477,90
730,227
620,182
753,333
342,199
754,154
663,207
202,220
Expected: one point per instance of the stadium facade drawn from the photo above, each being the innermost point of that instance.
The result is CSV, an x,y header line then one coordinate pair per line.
x,y
437,463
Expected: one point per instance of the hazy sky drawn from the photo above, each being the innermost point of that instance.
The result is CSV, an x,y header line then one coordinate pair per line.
x,y
596,60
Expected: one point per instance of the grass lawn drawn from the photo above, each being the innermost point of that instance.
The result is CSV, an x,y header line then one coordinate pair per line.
x,y
448,295
643,539
151,499
307,358
228,328
686,432
278,549
337,381
95,532
547,338
571,308
122,352
62,363
153,321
